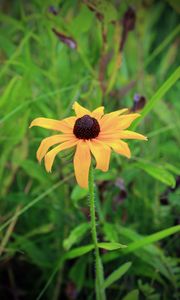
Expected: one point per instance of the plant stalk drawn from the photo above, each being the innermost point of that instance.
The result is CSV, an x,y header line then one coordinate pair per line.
x,y
100,291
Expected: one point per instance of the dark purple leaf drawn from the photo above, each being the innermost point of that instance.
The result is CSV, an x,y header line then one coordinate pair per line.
x,y
128,23
53,10
69,41
71,291
139,102
129,19
122,191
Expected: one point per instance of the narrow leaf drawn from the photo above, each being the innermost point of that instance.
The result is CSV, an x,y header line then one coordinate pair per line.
x,y
79,251
75,235
144,241
133,295
117,274
152,238
78,193
111,246
158,172
158,95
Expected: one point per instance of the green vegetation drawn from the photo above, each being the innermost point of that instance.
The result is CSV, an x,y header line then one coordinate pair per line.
x,y
98,53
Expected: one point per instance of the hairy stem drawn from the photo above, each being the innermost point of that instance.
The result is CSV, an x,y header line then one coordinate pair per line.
x,y
100,292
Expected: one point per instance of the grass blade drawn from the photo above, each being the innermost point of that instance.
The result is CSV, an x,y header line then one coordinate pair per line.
x,y
158,95
33,202
155,237
117,274
161,47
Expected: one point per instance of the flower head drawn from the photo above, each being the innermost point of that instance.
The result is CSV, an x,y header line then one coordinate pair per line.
x,y
92,133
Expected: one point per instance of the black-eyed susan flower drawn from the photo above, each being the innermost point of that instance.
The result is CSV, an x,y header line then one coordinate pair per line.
x,y
91,133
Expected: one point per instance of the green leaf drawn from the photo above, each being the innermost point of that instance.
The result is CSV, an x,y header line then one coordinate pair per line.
x,y
158,95
140,241
110,232
158,172
117,274
78,193
75,235
46,228
163,44
33,251
78,272
111,246
152,238
34,170
82,22
175,5
9,89
173,169
133,295
34,201
79,251
106,9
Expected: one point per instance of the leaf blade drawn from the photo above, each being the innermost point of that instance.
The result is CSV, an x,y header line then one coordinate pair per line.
x,y
117,274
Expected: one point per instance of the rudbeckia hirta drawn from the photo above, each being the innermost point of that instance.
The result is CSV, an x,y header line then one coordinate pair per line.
x,y
92,134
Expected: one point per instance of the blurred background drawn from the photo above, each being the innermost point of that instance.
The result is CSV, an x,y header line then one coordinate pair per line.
x,y
112,53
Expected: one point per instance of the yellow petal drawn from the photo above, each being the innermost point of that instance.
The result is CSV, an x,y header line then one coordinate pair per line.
x,y
50,156
126,134
70,121
117,123
107,136
109,124
125,121
98,112
102,154
80,110
49,142
119,147
52,124
112,115
82,161
116,113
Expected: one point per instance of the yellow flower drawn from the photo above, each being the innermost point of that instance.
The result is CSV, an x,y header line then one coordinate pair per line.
x,y
93,133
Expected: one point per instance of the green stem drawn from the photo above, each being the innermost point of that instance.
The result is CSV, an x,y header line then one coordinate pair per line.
x,y
100,292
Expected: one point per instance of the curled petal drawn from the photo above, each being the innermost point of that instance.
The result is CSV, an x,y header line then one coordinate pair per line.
x,y
50,156
52,124
49,142
119,147
98,112
102,154
82,161
80,110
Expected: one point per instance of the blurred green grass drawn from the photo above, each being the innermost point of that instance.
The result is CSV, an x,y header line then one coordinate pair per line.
x,y
43,216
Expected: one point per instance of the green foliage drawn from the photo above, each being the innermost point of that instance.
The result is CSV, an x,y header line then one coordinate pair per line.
x,y
111,246
45,240
133,295
117,274
76,234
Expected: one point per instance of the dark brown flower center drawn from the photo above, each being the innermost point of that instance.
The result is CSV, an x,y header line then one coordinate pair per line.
x,y
86,128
